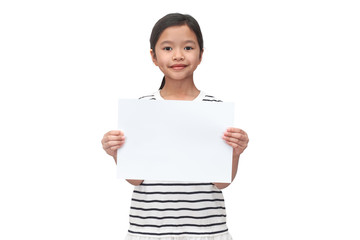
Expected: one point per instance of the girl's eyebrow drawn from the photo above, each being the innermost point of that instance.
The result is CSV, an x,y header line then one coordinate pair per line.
x,y
166,42
190,41
171,42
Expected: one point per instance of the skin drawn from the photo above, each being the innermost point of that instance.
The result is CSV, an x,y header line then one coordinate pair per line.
x,y
177,54
178,46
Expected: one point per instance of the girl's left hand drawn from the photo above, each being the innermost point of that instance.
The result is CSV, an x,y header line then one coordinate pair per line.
x,y
237,138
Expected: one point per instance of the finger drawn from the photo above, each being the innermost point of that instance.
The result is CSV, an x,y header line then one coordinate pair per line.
x,y
238,149
235,130
239,142
230,139
232,134
239,136
116,147
111,144
114,138
233,145
114,132
109,138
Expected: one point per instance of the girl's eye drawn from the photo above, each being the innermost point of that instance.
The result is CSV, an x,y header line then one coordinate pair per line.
x,y
167,48
188,48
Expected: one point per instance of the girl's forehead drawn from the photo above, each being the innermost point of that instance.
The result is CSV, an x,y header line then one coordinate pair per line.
x,y
177,34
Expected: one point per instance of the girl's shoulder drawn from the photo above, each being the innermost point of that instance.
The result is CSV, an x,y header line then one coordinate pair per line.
x,y
202,97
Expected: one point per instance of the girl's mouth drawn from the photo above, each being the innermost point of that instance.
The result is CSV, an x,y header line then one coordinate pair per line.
x,y
178,66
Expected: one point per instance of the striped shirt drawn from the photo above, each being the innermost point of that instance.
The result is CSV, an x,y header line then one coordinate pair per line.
x,y
201,97
185,210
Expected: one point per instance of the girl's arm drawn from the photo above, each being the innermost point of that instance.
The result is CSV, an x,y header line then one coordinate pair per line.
x,y
239,140
134,182
111,142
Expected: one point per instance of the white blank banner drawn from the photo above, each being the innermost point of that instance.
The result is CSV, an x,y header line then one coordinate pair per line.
x,y
175,140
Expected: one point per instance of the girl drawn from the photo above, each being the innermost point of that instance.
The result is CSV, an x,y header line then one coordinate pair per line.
x,y
174,210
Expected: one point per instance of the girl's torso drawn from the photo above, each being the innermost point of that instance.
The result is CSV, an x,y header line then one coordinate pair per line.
x,y
177,209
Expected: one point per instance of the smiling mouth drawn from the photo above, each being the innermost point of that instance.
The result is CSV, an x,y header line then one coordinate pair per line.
x,y
178,66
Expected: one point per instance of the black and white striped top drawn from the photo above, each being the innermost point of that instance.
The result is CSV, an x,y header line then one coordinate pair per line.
x,y
174,210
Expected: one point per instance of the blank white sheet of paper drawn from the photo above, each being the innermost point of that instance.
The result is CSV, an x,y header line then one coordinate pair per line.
x,y
175,140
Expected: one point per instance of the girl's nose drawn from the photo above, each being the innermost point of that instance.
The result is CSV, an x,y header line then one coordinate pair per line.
x,y
178,56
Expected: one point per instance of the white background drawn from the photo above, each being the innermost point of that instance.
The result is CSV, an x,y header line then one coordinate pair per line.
x,y
290,66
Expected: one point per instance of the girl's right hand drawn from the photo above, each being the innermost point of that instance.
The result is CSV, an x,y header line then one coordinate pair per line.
x,y
112,141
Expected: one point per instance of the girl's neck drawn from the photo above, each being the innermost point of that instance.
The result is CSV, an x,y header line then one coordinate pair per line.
x,y
179,90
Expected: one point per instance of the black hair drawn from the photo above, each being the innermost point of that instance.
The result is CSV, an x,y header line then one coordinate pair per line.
x,y
175,19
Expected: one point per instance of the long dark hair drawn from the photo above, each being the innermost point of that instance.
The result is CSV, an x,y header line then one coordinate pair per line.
x,y
175,19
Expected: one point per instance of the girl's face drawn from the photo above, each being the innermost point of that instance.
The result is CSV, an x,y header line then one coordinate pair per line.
x,y
177,53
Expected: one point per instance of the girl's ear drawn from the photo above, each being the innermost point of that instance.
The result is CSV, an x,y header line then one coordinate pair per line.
x,y
153,57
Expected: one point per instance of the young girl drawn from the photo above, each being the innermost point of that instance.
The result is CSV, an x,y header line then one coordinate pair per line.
x,y
178,210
